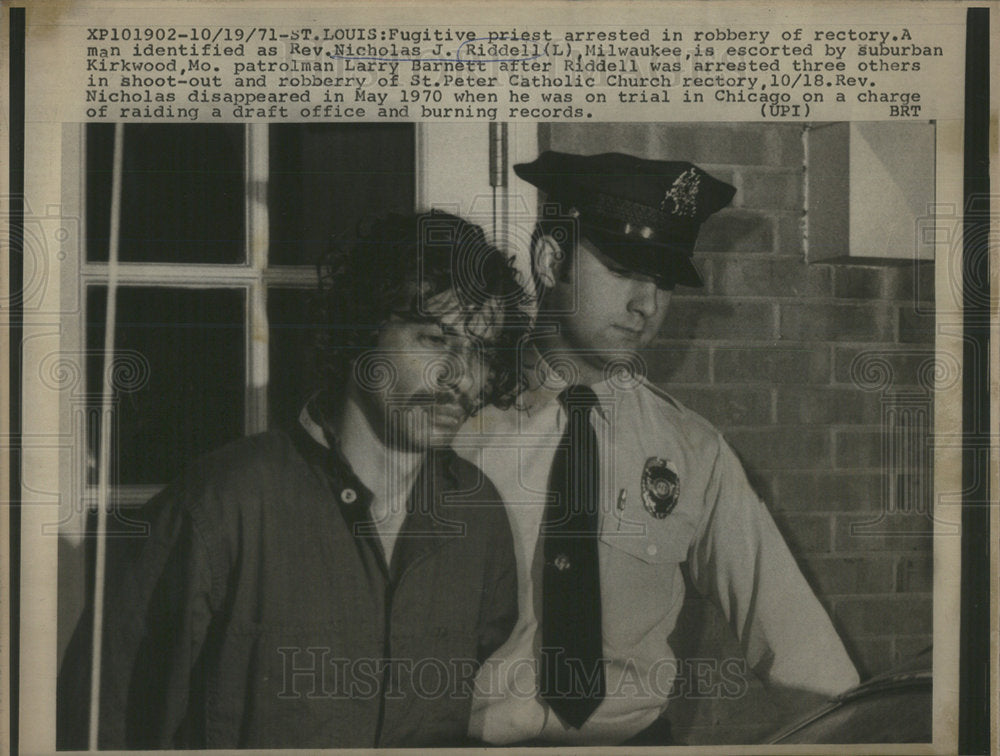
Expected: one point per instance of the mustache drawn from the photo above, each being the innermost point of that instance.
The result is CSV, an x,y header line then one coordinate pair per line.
x,y
442,398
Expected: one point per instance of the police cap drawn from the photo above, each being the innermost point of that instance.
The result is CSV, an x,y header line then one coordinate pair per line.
x,y
644,214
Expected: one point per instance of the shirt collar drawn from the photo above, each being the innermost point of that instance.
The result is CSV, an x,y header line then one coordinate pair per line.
x,y
311,427
311,421
352,489
545,383
423,528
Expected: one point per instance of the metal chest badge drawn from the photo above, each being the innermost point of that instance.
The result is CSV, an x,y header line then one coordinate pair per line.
x,y
661,487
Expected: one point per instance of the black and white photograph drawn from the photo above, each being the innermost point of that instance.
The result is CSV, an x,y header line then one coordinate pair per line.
x,y
448,426
759,443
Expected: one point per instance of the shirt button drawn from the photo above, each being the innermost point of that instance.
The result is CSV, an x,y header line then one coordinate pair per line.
x,y
348,496
562,563
651,549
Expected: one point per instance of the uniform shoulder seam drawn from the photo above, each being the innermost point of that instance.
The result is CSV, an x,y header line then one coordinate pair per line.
x,y
662,394
684,411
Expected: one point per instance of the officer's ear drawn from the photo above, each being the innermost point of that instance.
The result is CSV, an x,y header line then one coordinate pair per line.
x,y
546,260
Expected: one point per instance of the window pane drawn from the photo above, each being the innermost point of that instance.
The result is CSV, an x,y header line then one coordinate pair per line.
x,y
182,193
291,360
326,178
193,400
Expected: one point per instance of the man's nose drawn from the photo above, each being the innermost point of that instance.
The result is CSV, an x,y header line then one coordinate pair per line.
x,y
643,298
454,374
465,382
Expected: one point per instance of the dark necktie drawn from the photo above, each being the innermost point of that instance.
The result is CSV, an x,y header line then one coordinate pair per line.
x,y
572,671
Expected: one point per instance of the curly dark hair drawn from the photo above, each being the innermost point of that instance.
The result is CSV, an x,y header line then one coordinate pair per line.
x,y
394,269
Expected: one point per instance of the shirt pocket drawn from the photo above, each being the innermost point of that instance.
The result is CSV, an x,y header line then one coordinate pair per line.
x,y
641,580
629,529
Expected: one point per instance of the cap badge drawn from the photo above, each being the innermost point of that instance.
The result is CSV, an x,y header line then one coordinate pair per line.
x,y
683,193
660,487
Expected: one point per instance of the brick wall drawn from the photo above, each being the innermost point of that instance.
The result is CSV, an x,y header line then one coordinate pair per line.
x,y
803,367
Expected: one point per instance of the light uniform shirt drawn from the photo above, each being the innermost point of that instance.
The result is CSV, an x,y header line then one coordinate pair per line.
x,y
718,526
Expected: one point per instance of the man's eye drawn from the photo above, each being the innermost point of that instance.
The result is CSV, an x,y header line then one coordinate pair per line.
x,y
432,340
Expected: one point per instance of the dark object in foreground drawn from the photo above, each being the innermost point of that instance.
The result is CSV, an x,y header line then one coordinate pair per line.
x,y
892,708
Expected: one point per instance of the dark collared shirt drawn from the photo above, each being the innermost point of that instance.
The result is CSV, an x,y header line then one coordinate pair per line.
x,y
258,613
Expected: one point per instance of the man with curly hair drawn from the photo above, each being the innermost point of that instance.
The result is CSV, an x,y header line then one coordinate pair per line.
x,y
337,585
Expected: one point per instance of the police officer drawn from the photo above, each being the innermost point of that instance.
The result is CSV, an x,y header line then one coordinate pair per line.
x,y
611,484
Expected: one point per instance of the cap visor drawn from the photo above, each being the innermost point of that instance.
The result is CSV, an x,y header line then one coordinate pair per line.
x,y
669,264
